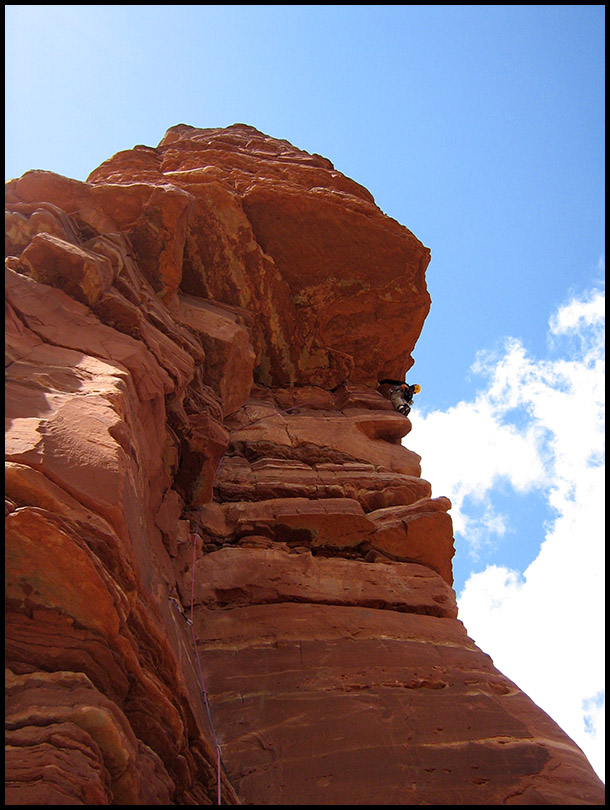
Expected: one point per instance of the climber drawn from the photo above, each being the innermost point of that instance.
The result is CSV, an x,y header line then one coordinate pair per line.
x,y
400,394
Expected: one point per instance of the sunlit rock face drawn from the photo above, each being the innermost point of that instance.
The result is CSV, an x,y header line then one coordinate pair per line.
x,y
203,481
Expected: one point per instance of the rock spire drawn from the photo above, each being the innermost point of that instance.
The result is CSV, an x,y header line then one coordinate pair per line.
x,y
226,577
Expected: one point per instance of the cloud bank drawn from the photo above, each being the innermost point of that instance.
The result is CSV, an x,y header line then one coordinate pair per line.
x,y
537,426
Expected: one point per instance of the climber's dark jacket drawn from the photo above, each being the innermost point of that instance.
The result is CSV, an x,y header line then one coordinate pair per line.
x,y
399,393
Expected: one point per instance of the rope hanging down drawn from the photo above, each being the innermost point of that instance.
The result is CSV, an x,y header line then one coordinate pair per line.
x,y
190,621
201,680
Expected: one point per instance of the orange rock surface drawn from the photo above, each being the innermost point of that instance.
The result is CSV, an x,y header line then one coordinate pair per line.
x,y
225,576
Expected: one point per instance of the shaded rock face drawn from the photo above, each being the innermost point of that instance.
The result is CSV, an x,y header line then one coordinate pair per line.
x,y
225,575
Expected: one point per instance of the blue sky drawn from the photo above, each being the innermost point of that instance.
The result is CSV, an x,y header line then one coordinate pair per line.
x,y
480,128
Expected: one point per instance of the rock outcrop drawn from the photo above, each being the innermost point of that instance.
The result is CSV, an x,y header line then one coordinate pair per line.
x,y
227,581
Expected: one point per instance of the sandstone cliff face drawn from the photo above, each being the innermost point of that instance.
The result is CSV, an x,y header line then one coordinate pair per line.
x,y
222,564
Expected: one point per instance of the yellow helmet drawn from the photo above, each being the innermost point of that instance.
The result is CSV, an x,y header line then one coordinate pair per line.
x,y
416,388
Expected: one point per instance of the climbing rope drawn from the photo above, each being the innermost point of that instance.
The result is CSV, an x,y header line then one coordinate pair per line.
x,y
219,761
199,670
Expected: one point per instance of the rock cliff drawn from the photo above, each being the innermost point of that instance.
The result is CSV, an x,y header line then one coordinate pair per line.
x,y
226,580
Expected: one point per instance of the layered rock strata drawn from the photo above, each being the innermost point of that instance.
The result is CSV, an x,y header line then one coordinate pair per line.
x,y
226,578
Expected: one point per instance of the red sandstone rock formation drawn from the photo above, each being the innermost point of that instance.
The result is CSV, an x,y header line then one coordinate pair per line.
x,y
197,452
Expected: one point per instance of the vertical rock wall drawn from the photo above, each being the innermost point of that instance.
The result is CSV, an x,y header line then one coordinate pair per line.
x,y
220,557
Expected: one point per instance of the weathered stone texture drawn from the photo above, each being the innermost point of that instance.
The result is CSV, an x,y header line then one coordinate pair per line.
x,y
203,479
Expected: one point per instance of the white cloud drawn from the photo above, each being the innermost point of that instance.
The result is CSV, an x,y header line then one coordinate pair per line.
x,y
468,450
582,313
545,629
537,426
